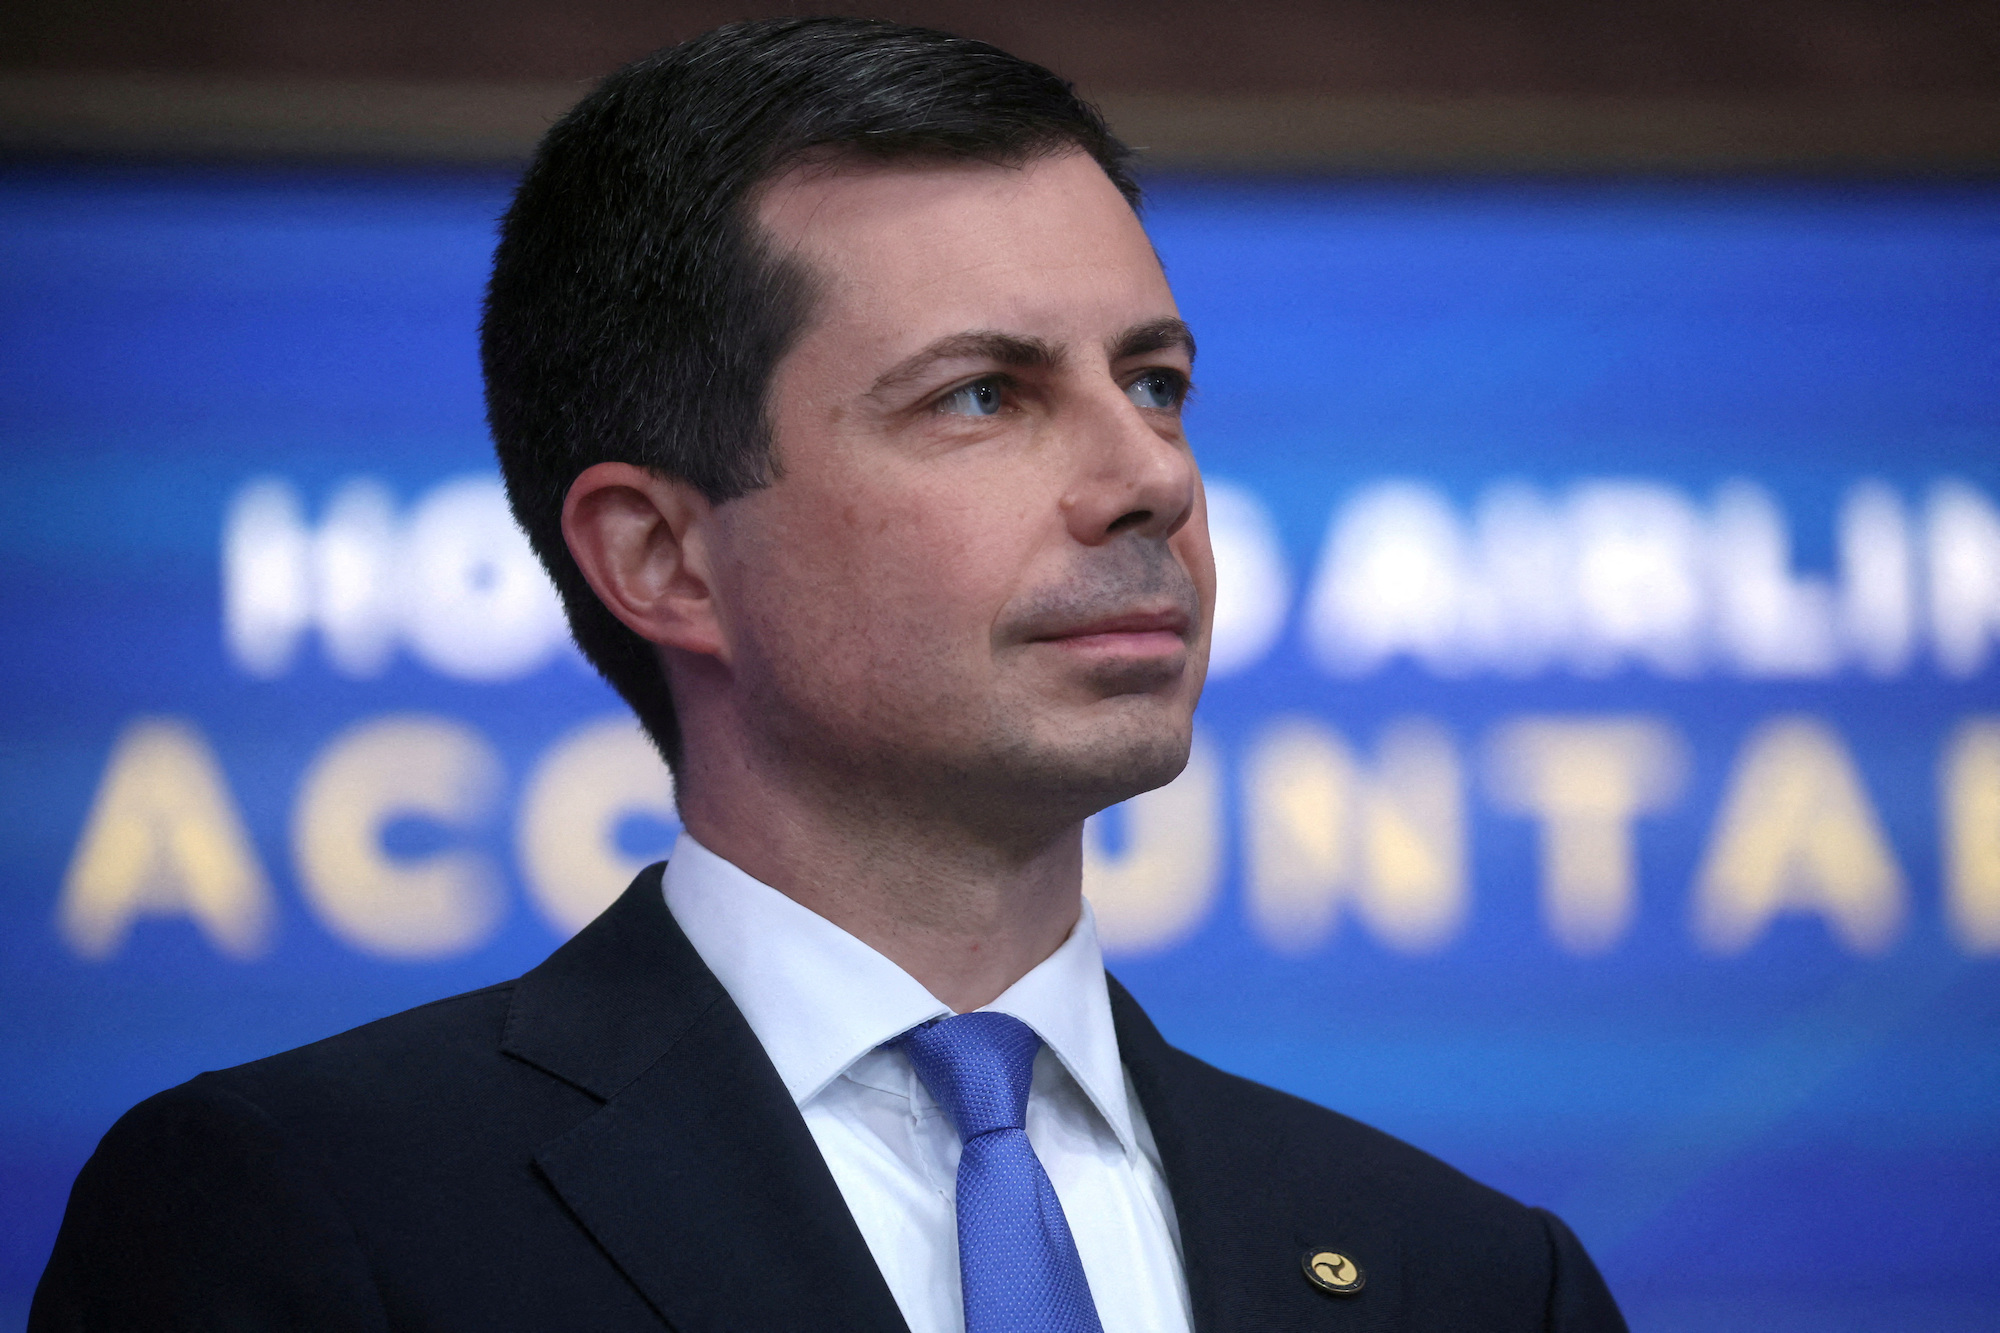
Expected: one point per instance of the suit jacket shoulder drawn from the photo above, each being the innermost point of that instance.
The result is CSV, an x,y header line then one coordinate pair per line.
x,y
601,1143
1260,1179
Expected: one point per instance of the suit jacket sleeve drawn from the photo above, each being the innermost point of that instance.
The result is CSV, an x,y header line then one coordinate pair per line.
x,y
1579,1302
195,1212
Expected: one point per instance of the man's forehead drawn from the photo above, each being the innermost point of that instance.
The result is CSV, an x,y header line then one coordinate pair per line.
x,y
915,250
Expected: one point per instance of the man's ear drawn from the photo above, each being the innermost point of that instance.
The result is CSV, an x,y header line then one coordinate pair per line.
x,y
642,542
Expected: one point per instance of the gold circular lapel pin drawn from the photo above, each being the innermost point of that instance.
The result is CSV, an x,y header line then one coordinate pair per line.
x,y
1332,1271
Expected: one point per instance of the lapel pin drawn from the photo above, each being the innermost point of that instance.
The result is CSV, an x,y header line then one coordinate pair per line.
x,y
1332,1271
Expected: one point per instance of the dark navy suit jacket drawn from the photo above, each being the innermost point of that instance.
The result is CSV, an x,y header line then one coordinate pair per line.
x,y
603,1145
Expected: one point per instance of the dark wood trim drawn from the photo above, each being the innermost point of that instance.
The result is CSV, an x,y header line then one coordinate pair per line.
x,y
1564,134
244,117
185,116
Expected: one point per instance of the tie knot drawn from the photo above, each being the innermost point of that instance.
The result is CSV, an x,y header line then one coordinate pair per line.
x,y
979,1067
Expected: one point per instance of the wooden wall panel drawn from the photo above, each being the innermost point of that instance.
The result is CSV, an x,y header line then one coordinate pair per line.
x,y
1369,85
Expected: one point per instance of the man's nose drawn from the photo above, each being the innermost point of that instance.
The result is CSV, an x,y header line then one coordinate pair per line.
x,y
1130,477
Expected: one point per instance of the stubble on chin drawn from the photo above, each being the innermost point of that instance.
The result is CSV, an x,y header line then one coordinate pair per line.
x,y
1123,746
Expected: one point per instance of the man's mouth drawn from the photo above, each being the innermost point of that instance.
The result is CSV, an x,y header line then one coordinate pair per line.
x,y
1133,633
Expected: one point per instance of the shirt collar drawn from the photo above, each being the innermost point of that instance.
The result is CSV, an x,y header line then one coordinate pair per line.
x,y
819,999
1065,1000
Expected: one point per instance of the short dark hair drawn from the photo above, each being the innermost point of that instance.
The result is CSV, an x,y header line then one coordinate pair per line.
x,y
633,314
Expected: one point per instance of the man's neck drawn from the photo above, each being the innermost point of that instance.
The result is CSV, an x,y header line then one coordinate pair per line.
x,y
965,919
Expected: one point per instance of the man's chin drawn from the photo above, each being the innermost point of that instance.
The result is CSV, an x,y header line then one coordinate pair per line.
x,y
1086,769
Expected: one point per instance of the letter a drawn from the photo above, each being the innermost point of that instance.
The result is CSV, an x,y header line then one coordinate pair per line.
x,y
1797,832
164,838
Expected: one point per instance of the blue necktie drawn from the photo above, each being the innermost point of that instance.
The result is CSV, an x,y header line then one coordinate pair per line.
x,y
1016,1259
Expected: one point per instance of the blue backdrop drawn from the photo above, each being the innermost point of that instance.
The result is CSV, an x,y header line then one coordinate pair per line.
x,y
1599,786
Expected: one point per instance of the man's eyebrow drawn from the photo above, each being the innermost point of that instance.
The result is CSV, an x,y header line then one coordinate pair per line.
x,y
1007,349
1154,337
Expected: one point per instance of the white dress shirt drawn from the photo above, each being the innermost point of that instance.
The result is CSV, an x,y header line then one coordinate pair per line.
x,y
822,1003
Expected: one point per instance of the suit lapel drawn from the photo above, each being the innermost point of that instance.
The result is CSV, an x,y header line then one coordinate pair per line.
x,y
696,1175
1245,1220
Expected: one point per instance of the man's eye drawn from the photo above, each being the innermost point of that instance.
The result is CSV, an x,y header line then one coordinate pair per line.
x,y
981,398
1156,389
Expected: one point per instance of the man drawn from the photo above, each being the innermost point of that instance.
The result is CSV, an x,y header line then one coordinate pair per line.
x,y
837,384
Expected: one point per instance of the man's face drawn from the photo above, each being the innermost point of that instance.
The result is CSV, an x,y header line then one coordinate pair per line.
x,y
983,576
